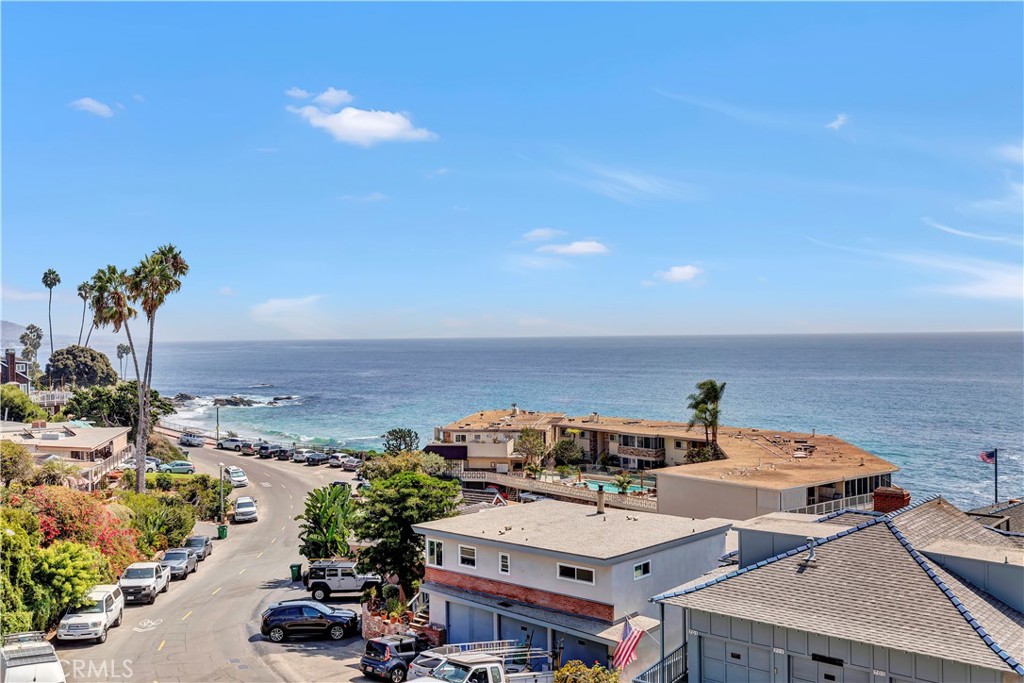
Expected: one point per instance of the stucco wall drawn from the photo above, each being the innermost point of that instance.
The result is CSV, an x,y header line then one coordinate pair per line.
x,y
702,498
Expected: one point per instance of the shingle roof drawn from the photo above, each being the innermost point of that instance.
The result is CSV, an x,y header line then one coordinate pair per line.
x,y
1011,509
912,604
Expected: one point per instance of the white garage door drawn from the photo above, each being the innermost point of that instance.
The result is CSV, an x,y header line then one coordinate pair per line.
x,y
469,624
723,661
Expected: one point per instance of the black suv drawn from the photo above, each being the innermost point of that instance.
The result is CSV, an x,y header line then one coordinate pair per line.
x,y
292,618
389,657
316,458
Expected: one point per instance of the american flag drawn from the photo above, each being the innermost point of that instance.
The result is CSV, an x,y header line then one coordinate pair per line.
x,y
625,653
988,456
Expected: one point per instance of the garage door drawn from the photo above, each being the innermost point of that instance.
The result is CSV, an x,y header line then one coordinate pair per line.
x,y
723,661
805,670
521,632
586,651
469,624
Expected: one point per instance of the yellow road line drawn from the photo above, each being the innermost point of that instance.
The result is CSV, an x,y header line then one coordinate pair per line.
x,y
216,591
187,615
161,646
259,556
241,572
284,527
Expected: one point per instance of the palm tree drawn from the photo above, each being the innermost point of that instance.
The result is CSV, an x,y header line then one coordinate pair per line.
x,y
54,473
122,352
705,406
50,280
84,293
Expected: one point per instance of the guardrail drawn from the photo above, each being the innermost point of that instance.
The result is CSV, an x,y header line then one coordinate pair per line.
x,y
212,436
674,667
93,475
616,500
864,501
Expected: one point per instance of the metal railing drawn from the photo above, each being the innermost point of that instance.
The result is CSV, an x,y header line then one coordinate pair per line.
x,y
419,602
864,501
518,481
93,475
674,667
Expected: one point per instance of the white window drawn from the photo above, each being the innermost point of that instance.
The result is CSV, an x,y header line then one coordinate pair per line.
x,y
460,438
642,570
504,563
571,573
435,553
467,556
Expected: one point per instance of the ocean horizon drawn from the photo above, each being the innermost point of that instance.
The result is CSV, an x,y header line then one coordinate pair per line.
x,y
928,402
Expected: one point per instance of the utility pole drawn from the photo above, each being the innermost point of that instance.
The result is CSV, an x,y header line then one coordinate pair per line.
x,y
218,424
220,488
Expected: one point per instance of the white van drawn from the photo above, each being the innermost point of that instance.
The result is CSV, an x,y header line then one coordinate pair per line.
x,y
28,658
188,439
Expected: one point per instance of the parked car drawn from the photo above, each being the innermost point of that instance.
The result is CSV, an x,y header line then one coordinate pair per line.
x,y
236,475
316,458
425,664
301,454
189,439
245,510
28,657
180,562
307,618
336,576
268,450
141,581
390,656
151,465
103,609
250,447
351,464
230,444
285,454
177,467
202,544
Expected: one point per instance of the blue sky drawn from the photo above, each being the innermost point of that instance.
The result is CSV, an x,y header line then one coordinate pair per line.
x,y
381,170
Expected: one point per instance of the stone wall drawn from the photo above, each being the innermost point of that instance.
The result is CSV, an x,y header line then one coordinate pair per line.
x,y
375,627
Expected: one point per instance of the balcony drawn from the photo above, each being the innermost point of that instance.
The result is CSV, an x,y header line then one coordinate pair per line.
x,y
644,453
674,666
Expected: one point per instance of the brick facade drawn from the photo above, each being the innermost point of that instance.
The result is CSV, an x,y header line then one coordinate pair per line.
x,y
533,596
890,498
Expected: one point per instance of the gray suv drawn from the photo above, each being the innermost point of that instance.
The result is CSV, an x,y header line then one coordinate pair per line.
x,y
180,561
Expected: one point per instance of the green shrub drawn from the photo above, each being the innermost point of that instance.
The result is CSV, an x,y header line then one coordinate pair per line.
x,y
164,481
163,448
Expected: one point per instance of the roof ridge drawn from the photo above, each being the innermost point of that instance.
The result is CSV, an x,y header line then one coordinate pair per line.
x,y
849,511
912,506
1004,532
770,560
1016,666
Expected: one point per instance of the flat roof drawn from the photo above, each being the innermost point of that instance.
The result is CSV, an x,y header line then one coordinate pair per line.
x,y
572,529
85,438
792,524
504,419
977,551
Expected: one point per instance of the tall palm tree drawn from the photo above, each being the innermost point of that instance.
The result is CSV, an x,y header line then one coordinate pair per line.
x,y
84,293
50,280
705,404
122,352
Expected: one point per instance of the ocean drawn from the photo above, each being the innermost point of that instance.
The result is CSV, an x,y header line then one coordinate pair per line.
x,y
927,402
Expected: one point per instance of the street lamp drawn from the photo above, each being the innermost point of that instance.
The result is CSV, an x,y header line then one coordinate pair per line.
x,y
220,487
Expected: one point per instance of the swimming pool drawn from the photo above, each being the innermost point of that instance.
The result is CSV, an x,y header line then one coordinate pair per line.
x,y
609,487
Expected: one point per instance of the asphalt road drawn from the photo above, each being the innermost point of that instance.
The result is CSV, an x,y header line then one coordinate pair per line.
x,y
206,628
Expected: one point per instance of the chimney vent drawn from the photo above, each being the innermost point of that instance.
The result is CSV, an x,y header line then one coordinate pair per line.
x,y
890,498
600,499
810,552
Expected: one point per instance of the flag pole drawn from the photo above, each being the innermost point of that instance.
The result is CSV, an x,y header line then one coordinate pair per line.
x,y
995,451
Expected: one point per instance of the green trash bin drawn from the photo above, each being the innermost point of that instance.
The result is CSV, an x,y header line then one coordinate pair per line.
x,y
222,531
296,572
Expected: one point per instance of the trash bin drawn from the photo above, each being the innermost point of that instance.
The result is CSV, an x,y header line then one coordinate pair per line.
x,y
296,572
222,531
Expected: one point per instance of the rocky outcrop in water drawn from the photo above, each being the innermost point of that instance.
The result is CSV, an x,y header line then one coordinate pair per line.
x,y
283,398
237,401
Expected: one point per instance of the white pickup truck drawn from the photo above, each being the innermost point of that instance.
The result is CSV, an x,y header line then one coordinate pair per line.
x,y
141,581
481,667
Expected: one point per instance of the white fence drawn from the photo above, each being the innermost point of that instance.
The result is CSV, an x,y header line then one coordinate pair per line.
x,y
93,475
522,483
862,502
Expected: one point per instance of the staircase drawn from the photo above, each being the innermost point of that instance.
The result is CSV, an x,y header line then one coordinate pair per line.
x,y
420,608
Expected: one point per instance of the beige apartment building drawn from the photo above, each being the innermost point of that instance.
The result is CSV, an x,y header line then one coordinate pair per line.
x,y
485,440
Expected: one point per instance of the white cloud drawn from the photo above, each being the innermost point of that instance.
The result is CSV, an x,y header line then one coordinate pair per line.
x,y
363,127
119,105
838,122
1013,153
298,93
138,98
541,234
92,106
1012,201
332,98
579,248
986,279
629,186
226,291
365,198
963,233
678,274
15,294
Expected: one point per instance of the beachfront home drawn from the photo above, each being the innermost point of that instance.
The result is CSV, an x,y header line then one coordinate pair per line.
x,y
564,576
485,440
94,450
920,594
14,370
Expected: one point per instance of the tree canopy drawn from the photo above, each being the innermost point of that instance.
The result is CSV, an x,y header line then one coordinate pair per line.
x,y
325,523
80,366
18,407
388,510
566,452
387,466
15,462
400,440
530,443
116,406
705,404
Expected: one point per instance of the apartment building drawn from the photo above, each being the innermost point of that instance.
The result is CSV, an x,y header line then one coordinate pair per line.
x,y
561,575
485,440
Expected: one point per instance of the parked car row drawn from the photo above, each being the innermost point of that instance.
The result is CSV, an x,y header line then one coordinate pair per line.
x,y
306,456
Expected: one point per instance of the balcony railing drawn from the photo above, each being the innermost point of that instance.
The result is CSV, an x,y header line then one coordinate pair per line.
x,y
674,668
862,502
522,483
